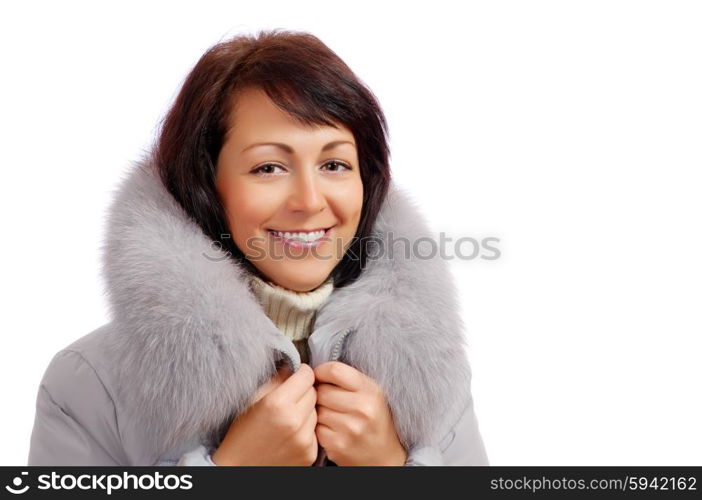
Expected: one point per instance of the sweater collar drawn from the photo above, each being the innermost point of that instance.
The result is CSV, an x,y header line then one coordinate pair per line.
x,y
191,344
291,311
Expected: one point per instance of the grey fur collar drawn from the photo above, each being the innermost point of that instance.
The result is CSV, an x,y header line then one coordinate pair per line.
x,y
192,344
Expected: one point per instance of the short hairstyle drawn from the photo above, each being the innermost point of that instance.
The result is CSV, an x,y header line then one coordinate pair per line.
x,y
302,76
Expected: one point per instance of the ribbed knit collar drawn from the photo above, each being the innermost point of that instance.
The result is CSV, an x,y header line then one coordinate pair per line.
x,y
292,312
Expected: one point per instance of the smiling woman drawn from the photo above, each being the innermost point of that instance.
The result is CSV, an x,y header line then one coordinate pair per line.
x,y
291,345
302,189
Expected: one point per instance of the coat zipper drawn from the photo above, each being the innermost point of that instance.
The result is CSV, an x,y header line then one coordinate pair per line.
x,y
336,350
335,354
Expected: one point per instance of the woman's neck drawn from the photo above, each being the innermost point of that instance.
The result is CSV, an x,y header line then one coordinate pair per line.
x,y
292,312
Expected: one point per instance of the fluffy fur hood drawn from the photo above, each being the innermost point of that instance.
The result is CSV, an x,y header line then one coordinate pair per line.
x,y
192,344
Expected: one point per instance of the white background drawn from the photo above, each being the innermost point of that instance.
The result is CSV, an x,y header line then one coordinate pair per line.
x,y
569,130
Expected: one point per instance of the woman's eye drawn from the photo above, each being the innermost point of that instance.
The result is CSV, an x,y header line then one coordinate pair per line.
x,y
339,165
265,170
268,169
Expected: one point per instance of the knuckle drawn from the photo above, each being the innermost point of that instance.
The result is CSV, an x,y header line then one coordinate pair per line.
x,y
307,439
299,441
313,443
335,369
293,423
367,410
280,423
306,371
271,403
356,429
339,444
311,455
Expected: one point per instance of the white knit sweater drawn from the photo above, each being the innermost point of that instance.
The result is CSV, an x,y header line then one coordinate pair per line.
x,y
292,312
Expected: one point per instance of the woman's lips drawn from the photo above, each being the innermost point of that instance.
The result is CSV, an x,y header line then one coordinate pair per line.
x,y
300,244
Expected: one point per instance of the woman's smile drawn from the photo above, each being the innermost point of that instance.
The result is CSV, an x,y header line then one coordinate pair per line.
x,y
302,239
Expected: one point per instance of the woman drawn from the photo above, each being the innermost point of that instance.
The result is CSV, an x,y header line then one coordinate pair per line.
x,y
262,311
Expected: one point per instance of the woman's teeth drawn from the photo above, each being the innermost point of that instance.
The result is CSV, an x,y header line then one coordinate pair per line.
x,y
304,237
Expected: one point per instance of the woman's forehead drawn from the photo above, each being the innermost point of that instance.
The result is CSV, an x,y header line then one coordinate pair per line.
x,y
254,117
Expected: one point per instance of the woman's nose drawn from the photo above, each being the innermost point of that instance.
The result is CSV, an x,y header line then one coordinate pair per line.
x,y
306,194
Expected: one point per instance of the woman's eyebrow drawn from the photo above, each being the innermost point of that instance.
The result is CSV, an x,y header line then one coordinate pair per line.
x,y
289,149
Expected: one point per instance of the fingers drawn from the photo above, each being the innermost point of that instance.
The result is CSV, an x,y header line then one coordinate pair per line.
x,y
278,378
341,374
311,422
331,418
295,387
308,402
308,428
336,398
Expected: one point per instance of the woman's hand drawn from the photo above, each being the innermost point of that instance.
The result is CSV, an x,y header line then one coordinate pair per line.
x,y
354,423
278,428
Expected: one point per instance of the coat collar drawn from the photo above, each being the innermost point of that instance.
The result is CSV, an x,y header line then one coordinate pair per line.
x,y
192,344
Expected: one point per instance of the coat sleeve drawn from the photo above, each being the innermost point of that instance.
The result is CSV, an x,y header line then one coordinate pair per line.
x,y
200,456
75,421
462,445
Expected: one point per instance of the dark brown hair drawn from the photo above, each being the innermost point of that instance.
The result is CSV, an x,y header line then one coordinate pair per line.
x,y
302,76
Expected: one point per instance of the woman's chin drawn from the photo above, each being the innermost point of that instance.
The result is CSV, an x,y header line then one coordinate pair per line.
x,y
298,280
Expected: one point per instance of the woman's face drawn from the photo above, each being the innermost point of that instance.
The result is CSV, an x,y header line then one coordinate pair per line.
x,y
310,180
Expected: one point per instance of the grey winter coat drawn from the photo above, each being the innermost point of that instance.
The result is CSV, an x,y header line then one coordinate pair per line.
x,y
188,345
